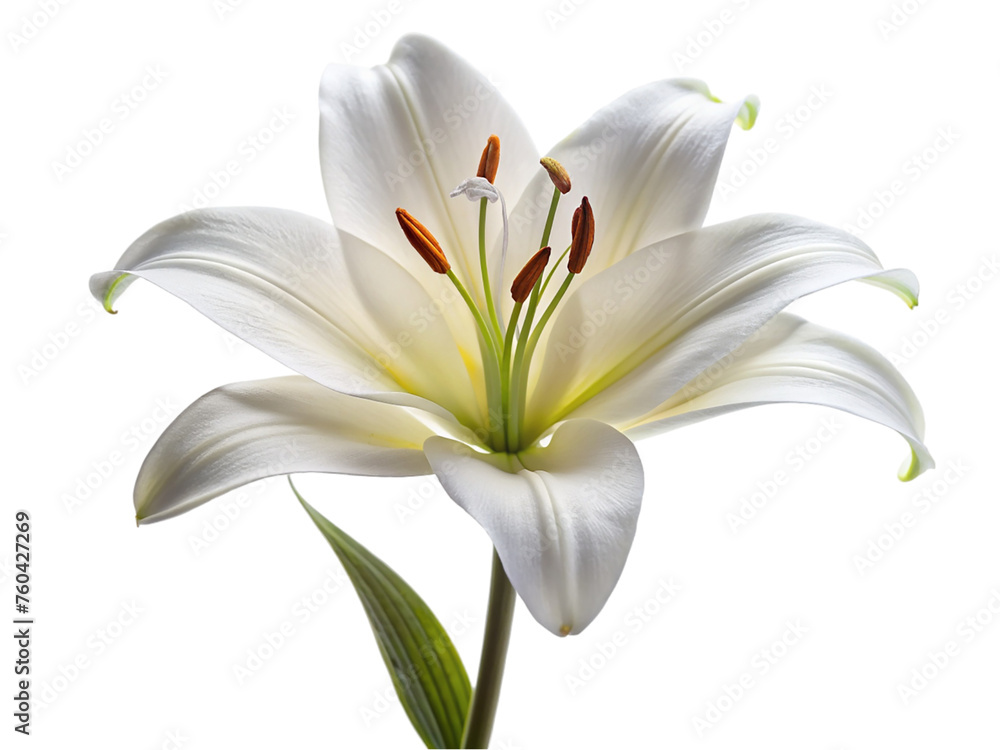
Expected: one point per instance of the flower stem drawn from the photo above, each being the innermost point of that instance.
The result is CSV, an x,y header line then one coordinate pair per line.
x,y
499,616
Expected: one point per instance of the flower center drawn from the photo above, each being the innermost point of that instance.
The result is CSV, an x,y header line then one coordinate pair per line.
x,y
507,347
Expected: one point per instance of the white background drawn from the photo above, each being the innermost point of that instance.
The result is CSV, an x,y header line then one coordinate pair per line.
x,y
893,77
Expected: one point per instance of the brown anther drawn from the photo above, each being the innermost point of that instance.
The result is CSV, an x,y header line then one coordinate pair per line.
x,y
423,242
557,173
530,274
583,236
489,162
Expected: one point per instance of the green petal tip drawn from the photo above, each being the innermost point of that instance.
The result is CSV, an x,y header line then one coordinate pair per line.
x,y
748,112
914,467
109,296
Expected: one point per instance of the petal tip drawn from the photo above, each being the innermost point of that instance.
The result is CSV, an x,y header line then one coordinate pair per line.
x,y
108,287
916,465
749,107
749,110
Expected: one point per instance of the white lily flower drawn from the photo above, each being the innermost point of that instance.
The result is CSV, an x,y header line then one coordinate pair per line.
x,y
528,423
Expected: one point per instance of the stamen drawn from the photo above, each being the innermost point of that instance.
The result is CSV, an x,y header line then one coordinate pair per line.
x,y
557,173
423,242
525,280
489,162
583,236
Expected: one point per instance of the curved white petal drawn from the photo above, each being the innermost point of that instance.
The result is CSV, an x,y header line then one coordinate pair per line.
x,y
562,517
647,161
789,360
337,311
633,335
247,431
405,134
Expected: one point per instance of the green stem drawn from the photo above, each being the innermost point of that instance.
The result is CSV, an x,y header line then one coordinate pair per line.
x,y
555,267
491,368
550,218
514,392
520,376
508,345
487,289
536,293
486,696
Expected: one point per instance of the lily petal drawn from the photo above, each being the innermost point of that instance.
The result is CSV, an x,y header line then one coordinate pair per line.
x,y
248,431
648,162
790,360
337,311
405,134
562,517
635,334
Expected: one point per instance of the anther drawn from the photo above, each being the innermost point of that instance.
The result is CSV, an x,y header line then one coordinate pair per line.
x,y
583,236
557,173
489,162
423,242
528,277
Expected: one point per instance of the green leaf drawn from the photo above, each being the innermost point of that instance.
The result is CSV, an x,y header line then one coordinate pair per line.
x,y
426,670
